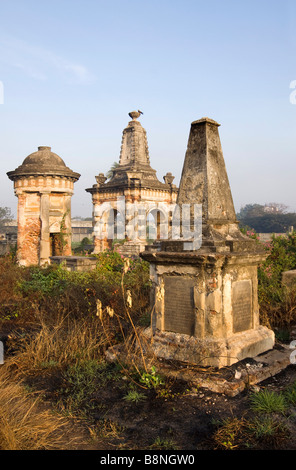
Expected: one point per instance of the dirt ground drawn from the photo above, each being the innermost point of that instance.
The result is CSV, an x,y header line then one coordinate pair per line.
x,y
181,418
185,421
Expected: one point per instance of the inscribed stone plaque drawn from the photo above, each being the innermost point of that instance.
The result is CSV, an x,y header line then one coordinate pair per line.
x,y
242,305
179,312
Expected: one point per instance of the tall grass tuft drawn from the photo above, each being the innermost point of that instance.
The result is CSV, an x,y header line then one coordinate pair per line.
x,y
267,401
66,342
25,424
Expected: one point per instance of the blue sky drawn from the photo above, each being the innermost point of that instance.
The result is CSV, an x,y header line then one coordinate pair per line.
x,y
73,70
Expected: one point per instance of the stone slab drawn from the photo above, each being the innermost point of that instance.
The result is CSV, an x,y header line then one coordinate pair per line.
x,y
179,312
210,352
289,278
229,381
260,368
75,263
242,305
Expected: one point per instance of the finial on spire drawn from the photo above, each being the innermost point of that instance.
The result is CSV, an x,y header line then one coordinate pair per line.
x,y
135,114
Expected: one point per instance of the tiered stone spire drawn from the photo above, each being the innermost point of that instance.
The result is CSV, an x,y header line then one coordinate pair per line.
x,y
134,163
135,182
134,145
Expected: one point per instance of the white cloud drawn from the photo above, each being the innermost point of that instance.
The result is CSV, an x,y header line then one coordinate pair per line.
x,y
40,63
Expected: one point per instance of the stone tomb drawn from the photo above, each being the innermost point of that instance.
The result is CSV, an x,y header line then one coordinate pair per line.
x,y
132,194
44,186
205,301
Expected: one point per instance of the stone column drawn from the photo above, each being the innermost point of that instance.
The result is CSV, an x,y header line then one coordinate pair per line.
x,y
67,228
44,218
21,224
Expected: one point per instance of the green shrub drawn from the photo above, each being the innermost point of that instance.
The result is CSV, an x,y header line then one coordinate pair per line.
x,y
277,303
151,379
80,384
281,256
290,394
45,281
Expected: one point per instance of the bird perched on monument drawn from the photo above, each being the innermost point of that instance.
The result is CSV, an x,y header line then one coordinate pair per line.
x,y
135,114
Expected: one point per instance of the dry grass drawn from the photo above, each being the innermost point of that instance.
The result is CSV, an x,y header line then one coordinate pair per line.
x,y
282,314
25,424
259,432
58,344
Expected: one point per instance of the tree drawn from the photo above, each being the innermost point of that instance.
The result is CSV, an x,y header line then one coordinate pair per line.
x,y
258,210
270,218
5,217
250,210
110,173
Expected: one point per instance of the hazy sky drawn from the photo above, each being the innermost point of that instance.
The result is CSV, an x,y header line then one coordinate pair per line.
x,y
72,70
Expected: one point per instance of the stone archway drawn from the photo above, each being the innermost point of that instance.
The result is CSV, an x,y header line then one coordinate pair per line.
x,y
157,223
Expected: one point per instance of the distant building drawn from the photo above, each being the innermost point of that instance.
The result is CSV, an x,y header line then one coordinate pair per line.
x,y
80,229
9,231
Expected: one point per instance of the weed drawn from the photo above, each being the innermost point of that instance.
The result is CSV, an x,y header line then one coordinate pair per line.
x,y
267,401
48,364
109,429
290,394
49,281
134,396
151,379
229,433
79,386
163,444
257,433
59,345
277,303
145,319
267,430
282,335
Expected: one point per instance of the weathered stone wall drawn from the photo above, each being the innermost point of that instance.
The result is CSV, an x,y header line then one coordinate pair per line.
x,y
221,293
138,205
29,241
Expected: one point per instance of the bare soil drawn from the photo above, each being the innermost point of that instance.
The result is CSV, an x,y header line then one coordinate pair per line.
x,y
186,421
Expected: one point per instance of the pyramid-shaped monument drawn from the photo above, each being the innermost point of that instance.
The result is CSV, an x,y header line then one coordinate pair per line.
x,y
205,299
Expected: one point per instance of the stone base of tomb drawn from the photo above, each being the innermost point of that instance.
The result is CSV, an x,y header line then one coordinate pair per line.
x,y
75,263
210,352
130,249
205,304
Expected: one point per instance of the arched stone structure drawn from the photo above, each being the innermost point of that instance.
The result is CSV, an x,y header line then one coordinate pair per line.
x,y
131,190
44,186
